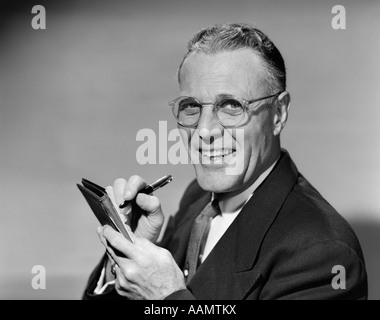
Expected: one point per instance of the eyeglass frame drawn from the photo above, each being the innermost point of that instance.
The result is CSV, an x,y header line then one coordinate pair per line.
x,y
243,102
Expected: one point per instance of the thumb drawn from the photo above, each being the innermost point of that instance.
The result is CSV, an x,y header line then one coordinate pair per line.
x,y
150,204
149,225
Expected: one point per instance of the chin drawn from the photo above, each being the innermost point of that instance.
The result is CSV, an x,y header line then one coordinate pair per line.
x,y
217,181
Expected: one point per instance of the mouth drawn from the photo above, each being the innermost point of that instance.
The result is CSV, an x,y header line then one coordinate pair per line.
x,y
216,155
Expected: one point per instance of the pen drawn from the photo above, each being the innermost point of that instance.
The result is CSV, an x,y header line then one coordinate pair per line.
x,y
151,187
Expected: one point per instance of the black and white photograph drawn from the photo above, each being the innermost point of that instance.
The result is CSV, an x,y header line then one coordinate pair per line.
x,y
207,150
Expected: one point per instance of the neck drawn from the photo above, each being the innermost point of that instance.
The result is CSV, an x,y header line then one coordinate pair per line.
x,y
268,163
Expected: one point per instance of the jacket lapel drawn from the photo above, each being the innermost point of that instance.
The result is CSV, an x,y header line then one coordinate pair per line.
x,y
220,278
261,211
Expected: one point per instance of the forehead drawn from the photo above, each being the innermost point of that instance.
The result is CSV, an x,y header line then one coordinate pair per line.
x,y
238,72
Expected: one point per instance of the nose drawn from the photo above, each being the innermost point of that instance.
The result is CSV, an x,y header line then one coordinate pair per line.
x,y
209,128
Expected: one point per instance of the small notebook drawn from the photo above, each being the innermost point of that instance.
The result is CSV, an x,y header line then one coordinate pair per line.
x,y
101,204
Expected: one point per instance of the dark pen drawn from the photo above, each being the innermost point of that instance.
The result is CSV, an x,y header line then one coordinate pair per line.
x,y
151,187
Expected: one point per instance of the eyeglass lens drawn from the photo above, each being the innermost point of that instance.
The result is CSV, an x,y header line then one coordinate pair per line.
x,y
229,111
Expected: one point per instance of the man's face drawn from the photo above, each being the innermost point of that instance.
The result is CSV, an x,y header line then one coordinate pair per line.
x,y
238,73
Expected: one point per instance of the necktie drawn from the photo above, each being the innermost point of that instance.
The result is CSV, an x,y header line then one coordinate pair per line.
x,y
198,237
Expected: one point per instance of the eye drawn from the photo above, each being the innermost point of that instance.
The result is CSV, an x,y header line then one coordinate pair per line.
x,y
189,106
231,106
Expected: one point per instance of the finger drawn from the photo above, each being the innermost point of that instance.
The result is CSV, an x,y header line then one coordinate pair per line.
x,y
104,241
116,241
123,213
119,186
122,285
150,204
110,258
100,234
127,271
110,192
135,184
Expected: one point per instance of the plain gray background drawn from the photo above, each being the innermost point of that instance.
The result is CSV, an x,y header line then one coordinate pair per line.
x,y
74,96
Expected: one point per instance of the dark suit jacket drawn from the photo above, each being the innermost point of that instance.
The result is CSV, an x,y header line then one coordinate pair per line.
x,y
284,244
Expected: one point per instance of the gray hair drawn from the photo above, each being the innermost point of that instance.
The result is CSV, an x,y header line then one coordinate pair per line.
x,y
229,37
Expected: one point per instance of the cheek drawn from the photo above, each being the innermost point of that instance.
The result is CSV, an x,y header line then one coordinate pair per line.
x,y
185,135
256,139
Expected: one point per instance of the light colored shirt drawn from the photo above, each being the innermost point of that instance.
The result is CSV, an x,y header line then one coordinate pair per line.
x,y
100,285
230,208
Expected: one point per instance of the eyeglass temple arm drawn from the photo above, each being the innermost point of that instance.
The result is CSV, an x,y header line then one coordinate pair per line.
x,y
267,97
263,98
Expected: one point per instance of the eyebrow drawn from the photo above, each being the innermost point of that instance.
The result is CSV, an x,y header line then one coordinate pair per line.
x,y
222,95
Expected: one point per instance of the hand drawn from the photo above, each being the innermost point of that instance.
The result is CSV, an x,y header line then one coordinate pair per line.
x,y
144,270
150,223
109,275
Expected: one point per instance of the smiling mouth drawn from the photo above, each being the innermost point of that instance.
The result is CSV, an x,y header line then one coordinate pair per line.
x,y
216,154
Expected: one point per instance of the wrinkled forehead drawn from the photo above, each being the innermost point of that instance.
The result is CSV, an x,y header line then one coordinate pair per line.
x,y
239,72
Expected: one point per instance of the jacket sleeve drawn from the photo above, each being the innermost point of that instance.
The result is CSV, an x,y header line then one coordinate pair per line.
x,y
184,294
328,270
109,294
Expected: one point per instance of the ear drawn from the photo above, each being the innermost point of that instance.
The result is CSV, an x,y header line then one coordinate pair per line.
x,y
280,112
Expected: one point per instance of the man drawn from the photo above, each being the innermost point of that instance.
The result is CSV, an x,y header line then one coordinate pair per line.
x,y
266,233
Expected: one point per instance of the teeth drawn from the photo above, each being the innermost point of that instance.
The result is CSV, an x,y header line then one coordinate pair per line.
x,y
216,153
